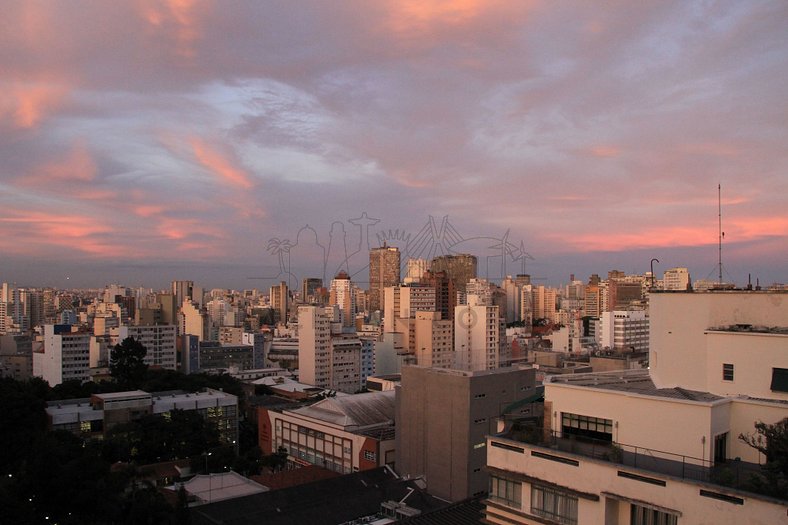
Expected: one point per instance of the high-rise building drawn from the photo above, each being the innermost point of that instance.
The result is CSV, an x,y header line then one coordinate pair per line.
x,y
183,290
343,295
513,292
415,270
479,337
323,360
384,271
310,290
593,304
314,346
193,321
445,292
544,303
460,268
622,294
402,302
279,302
64,355
676,279
158,340
433,340
623,330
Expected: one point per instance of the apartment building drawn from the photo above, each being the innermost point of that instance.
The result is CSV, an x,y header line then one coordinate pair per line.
x,y
657,446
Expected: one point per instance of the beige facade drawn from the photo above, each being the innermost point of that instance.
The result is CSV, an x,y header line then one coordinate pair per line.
x,y
662,444
538,485
693,334
442,419
314,346
433,340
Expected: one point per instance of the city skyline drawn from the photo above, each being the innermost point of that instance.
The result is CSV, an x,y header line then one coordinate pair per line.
x,y
144,142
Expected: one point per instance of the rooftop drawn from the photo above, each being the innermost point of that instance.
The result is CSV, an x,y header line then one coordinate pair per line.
x,y
221,486
326,502
751,329
631,381
359,410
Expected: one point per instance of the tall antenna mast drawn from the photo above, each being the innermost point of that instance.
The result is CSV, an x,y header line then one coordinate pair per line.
x,y
719,216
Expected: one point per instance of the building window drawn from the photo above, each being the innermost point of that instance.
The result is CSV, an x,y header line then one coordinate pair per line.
x,y
370,455
727,371
553,504
643,516
779,380
586,426
506,491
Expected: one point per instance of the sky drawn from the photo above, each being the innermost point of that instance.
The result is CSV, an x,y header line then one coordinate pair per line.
x,y
236,143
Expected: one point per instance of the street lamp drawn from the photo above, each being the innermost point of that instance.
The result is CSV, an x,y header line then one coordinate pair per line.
x,y
652,271
206,460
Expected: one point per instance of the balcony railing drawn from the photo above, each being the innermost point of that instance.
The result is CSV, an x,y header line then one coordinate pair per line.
x,y
731,473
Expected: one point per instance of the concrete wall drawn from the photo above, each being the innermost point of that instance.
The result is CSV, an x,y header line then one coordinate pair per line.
x,y
679,322
753,355
606,495
640,420
442,419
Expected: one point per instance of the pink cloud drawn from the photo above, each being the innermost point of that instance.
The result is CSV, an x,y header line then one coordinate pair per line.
x,y
605,151
179,19
220,165
737,230
25,105
34,232
77,166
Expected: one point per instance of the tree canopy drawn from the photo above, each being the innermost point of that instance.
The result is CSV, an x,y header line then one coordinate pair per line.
x,y
772,442
127,362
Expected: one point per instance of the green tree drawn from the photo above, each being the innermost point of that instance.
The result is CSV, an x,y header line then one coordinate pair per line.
x,y
155,438
772,442
127,363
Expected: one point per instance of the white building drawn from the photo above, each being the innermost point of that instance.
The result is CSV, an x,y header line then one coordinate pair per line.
x,y
657,446
325,361
479,337
158,340
64,355
623,330
676,279
314,346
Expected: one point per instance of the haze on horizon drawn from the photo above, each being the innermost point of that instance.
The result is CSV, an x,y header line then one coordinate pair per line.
x,y
143,141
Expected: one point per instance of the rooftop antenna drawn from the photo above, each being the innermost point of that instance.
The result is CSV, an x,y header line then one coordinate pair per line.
x,y
721,233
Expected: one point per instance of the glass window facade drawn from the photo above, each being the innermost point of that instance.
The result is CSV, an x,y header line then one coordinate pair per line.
x,y
554,505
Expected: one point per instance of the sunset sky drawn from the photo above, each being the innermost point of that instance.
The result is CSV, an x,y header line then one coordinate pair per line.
x,y
146,141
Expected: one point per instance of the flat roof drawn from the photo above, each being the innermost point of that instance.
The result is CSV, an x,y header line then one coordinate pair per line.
x,y
632,381
113,396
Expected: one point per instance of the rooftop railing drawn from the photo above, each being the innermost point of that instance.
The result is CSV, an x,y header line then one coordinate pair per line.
x,y
731,473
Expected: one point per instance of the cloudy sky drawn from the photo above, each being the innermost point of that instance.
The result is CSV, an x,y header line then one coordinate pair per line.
x,y
145,141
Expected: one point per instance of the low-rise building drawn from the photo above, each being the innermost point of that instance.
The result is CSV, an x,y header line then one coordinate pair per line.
x,y
660,445
343,434
94,416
